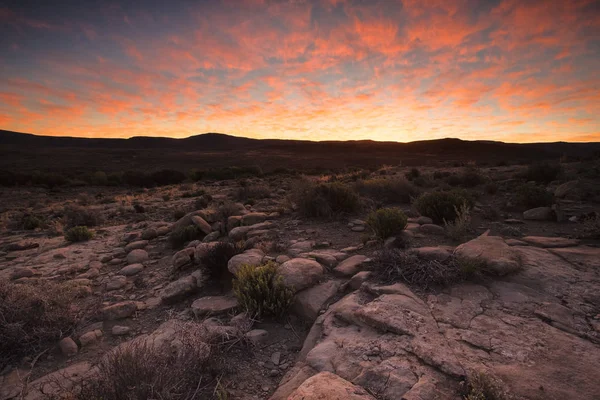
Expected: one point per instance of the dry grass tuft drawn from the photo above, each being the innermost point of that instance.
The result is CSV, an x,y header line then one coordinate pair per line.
x,y
34,316
188,369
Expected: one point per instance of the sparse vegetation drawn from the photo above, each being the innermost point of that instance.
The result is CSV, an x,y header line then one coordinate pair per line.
x,y
252,191
441,206
326,199
530,195
391,190
80,216
393,265
481,386
591,227
545,172
34,316
261,292
78,234
214,262
386,222
185,234
31,222
458,229
412,174
146,370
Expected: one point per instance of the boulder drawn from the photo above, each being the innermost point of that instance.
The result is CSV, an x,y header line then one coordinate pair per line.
x,y
240,232
233,222
202,224
431,229
300,273
179,289
300,247
422,220
351,265
149,234
252,257
116,282
68,347
137,256
309,302
183,257
492,253
254,218
328,386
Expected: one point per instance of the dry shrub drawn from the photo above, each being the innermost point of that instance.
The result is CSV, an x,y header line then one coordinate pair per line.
x,y
591,227
214,261
326,199
458,229
252,191
78,234
393,190
481,386
34,316
140,370
393,265
261,292
530,196
79,216
442,206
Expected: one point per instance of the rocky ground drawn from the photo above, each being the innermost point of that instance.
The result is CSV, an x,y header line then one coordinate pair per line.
x,y
534,324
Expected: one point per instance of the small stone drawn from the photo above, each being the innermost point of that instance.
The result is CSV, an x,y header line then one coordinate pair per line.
x,y
90,337
119,330
275,357
116,282
257,336
119,310
140,244
132,269
68,347
149,234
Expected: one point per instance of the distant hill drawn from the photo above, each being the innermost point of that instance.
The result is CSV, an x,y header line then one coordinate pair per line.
x,y
30,152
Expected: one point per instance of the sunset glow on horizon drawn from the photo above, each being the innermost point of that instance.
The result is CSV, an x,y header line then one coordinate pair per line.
x,y
391,70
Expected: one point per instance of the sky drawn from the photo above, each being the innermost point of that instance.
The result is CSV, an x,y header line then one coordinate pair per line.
x,y
399,70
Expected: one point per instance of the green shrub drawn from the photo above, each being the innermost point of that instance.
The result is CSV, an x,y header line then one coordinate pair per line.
x,y
542,172
326,199
393,190
261,292
78,234
442,206
31,222
185,234
387,221
530,196
33,317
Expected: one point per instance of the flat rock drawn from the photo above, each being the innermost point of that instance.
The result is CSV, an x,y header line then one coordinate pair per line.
x,y
300,273
214,305
433,253
352,265
328,386
431,229
309,302
139,244
550,242
116,282
120,310
539,214
491,252
132,269
254,218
